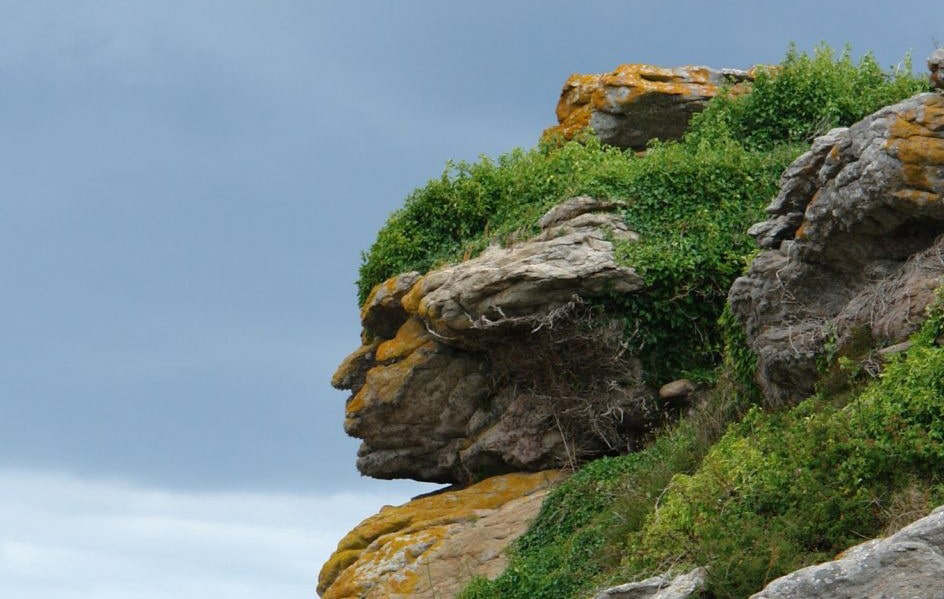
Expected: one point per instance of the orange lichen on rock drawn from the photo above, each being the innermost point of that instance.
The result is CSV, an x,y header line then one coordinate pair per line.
x,y
915,139
409,337
383,381
615,92
402,551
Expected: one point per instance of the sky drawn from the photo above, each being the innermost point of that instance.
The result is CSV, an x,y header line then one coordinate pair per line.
x,y
185,190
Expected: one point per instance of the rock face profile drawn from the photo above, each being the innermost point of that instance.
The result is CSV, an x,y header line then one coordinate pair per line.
x,y
432,546
852,251
469,370
910,563
638,102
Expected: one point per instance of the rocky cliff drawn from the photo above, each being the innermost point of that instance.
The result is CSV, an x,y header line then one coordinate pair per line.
x,y
493,371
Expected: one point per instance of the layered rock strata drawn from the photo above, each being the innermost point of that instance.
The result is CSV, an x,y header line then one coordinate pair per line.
x,y
432,546
908,564
639,102
469,370
852,251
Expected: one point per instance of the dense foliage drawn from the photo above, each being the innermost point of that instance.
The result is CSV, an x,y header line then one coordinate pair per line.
x,y
778,490
805,96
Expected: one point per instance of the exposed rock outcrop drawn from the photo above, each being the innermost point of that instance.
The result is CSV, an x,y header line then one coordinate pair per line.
x,y
907,565
638,102
936,66
465,370
432,546
683,586
853,249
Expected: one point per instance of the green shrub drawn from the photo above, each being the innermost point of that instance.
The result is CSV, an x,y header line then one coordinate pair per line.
x,y
805,96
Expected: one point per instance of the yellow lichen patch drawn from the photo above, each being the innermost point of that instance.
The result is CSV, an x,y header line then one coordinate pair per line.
x,y
390,545
914,140
577,92
341,377
410,336
383,381
801,231
356,403
411,301
637,80
338,561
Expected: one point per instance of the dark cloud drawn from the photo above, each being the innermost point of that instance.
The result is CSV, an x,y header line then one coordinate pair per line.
x,y
185,188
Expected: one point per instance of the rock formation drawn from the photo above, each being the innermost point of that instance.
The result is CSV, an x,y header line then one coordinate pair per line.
x,y
853,247
465,371
683,586
432,546
936,66
638,102
908,564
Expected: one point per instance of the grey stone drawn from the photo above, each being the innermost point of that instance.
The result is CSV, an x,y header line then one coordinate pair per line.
x,y
907,565
684,586
852,248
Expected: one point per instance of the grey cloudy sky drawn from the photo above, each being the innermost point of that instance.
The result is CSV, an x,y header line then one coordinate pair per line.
x,y
185,188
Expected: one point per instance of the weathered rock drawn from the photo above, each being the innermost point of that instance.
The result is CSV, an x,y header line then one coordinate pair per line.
x,y
852,249
383,313
475,379
684,586
432,546
676,390
936,66
638,102
570,257
907,565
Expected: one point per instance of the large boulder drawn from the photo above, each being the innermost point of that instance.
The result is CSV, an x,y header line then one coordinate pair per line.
x,y
432,546
638,102
907,565
484,367
852,251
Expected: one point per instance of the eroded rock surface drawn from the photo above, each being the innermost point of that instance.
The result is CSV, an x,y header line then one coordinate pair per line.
x,y
432,546
638,102
465,371
907,565
683,586
936,66
853,249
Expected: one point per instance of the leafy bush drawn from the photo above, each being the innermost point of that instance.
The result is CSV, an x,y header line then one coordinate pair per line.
x,y
805,96
779,491
782,491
